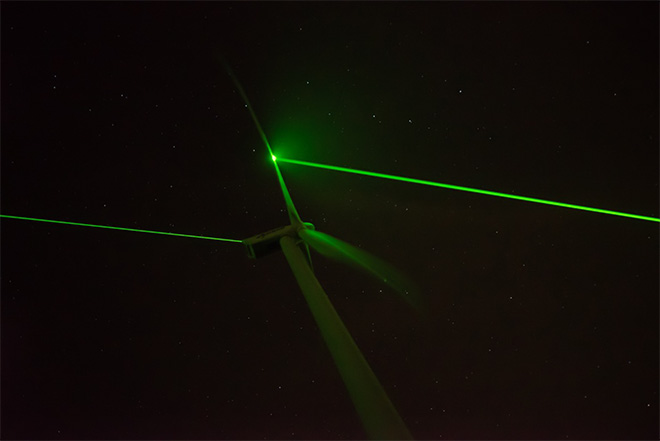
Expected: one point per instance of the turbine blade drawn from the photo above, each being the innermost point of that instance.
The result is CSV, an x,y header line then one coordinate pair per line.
x,y
379,417
308,255
290,208
337,249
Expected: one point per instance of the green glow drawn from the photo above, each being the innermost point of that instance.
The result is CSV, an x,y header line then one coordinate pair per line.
x,y
273,157
118,228
468,189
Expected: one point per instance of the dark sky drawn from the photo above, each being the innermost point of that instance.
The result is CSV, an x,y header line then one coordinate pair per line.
x,y
541,322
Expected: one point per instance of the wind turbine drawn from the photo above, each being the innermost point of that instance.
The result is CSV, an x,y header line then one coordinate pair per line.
x,y
379,417
376,411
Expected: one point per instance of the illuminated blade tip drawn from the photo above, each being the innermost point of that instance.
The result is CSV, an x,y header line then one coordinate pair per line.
x,y
273,157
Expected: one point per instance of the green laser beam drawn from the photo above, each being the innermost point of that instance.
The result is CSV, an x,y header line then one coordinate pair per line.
x,y
468,189
118,228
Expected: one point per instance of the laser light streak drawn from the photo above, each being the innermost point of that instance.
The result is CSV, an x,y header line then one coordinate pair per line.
x,y
467,189
118,228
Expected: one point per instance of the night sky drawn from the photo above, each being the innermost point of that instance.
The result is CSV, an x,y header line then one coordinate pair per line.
x,y
540,322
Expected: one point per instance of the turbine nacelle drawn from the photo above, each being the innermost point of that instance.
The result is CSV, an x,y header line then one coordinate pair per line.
x,y
268,242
